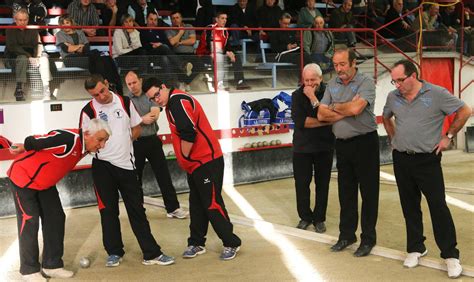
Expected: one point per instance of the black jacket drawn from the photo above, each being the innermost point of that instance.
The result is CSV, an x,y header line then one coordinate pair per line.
x,y
309,140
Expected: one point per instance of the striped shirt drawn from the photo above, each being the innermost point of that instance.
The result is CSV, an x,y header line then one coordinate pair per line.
x,y
81,16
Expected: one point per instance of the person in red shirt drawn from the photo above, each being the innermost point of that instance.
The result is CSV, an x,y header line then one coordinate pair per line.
x,y
198,152
42,161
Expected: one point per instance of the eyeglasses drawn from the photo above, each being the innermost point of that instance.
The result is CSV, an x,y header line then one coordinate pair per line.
x,y
400,80
156,95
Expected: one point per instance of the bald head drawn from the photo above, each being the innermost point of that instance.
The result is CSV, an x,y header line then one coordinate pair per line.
x,y
134,83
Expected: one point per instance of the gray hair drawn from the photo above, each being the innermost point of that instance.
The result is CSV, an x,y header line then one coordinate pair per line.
x,y
313,68
95,125
21,11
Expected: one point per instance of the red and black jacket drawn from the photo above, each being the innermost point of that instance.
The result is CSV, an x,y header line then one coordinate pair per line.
x,y
47,159
188,122
205,41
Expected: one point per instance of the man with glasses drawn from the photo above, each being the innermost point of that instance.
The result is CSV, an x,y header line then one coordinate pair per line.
x,y
198,153
413,118
349,102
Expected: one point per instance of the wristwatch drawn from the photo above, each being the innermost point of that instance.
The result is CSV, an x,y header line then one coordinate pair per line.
x,y
315,104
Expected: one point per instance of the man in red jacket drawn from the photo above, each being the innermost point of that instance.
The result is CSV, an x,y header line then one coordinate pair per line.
x,y
198,152
43,161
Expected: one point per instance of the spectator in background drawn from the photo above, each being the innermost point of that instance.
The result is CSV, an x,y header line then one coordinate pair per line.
x,y
36,10
307,14
342,18
205,14
223,51
139,10
451,22
433,32
23,50
126,43
84,13
268,15
110,13
242,15
287,45
320,45
155,42
410,4
76,52
399,28
377,9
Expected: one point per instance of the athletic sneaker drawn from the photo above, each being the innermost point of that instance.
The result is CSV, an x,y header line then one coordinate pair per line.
x,y
229,253
58,273
193,251
161,260
178,213
113,260
34,277
454,267
413,259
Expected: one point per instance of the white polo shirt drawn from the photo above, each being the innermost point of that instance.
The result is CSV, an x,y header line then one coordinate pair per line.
x,y
118,149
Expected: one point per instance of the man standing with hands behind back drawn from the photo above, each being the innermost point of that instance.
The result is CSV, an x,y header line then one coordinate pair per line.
x,y
349,103
413,118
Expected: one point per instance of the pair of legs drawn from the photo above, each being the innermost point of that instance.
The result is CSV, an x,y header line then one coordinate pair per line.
x,y
31,207
151,148
358,167
173,64
206,205
304,164
109,180
21,63
417,174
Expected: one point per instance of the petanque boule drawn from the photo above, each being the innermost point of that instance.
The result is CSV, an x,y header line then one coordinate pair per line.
x,y
84,262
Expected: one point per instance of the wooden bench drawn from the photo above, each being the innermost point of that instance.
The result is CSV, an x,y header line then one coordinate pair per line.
x,y
270,65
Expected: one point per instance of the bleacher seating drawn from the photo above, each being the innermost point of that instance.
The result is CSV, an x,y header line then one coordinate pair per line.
x,y
265,65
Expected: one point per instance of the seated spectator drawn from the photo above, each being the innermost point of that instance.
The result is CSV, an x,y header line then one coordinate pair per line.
x,y
242,15
433,33
84,13
320,45
342,18
268,15
155,42
401,27
286,44
307,14
109,14
205,14
223,51
75,52
377,10
23,50
36,10
182,40
127,48
139,10
451,22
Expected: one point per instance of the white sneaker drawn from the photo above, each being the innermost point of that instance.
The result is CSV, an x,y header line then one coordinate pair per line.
x,y
58,273
178,213
413,259
34,277
454,267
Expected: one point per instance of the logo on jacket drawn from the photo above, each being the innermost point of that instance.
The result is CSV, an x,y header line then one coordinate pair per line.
x,y
103,116
206,180
118,113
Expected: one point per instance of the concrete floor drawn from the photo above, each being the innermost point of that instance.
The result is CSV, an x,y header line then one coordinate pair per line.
x,y
269,252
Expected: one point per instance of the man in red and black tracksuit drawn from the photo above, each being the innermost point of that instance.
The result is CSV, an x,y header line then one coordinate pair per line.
x,y
198,152
43,161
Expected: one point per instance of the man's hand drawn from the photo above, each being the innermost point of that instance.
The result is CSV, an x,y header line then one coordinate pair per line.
x,y
156,44
34,61
405,25
17,148
309,92
89,31
231,56
292,46
443,144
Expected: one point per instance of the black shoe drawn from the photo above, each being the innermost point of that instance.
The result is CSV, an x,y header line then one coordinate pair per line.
x,y
242,86
320,227
19,94
363,250
341,245
303,224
